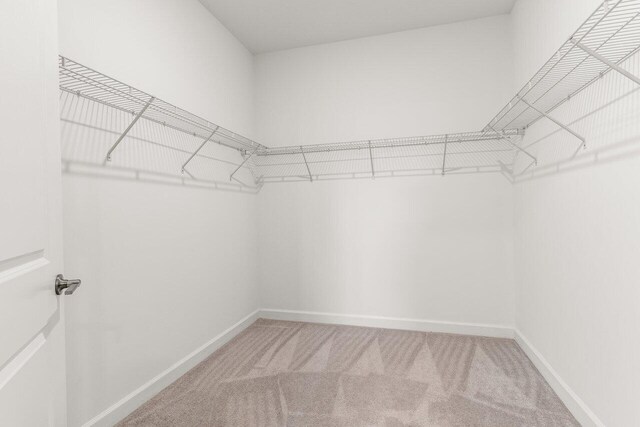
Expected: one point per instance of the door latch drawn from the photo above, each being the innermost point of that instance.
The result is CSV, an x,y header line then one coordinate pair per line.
x,y
69,284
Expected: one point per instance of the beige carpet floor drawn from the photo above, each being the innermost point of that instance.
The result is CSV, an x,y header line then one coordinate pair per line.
x,y
279,373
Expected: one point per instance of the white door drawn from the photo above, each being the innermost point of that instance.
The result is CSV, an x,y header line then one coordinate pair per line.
x,y
32,365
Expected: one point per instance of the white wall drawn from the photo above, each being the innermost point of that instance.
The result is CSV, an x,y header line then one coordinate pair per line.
x,y
164,268
577,226
434,80
175,50
418,248
167,268
427,248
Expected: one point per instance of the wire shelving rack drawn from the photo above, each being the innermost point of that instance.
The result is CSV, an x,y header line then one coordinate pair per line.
x,y
470,152
83,81
601,44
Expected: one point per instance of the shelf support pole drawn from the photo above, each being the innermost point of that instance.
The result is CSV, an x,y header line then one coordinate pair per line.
x,y
504,138
505,168
506,172
580,137
242,164
126,131
306,164
373,171
189,173
524,170
607,62
198,150
444,156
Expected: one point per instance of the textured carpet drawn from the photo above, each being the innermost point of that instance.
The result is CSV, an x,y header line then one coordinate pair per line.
x,y
301,374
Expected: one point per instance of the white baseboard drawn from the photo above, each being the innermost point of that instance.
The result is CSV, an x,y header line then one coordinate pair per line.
x,y
133,400
578,408
424,325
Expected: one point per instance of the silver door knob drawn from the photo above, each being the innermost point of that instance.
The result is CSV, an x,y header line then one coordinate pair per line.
x,y
69,284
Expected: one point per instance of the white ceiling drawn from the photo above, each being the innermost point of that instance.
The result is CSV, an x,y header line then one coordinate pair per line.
x,y
269,25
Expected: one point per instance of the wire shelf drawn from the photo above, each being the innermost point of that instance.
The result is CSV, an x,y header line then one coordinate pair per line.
x,y
601,44
85,82
612,32
434,154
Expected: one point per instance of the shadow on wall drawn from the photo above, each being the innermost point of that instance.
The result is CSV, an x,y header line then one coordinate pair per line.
x,y
149,153
606,114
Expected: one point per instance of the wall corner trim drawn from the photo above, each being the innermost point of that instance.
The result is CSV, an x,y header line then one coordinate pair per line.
x,y
577,406
133,400
423,325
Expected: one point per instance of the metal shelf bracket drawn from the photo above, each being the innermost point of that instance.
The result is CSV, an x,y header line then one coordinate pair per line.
x,y
444,155
605,61
522,150
198,149
506,171
525,169
306,164
241,164
373,171
126,131
563,126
